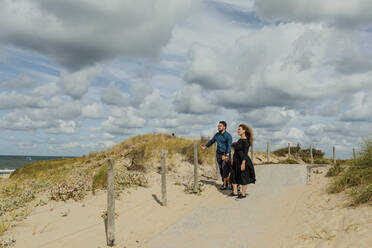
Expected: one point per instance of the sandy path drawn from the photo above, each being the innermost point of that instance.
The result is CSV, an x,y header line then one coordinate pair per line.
x,y
236,223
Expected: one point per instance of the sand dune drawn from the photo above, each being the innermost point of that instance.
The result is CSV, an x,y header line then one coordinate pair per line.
x,y
300,216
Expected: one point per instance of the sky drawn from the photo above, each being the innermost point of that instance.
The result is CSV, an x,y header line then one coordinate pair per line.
x,y
78,76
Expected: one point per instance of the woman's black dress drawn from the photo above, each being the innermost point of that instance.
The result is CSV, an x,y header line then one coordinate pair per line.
x,y
241,153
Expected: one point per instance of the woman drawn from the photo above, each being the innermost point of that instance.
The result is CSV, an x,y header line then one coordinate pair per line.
x,y
242,170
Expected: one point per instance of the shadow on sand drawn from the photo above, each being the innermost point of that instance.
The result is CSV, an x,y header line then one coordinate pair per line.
x,y
157,199
212,181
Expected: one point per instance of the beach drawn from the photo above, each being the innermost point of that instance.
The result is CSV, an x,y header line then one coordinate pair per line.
x,y
301,215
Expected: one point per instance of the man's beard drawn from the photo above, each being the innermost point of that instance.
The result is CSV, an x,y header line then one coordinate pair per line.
x,y
220,131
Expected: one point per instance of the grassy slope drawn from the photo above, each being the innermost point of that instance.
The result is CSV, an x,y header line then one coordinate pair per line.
x,y
355,176
62,179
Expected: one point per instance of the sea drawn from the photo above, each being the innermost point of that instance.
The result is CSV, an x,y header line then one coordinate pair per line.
x,y
12,162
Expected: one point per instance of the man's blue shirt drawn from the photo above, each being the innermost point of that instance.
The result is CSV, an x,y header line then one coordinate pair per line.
x,y
223,142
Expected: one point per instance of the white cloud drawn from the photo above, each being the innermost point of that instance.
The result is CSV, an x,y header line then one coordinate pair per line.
x,y
306,62
24,81
270,117
208,70
87,32
64,127
341,13
141,89
114,96
361,108
11,100
76,84
123,121
93,111
191,100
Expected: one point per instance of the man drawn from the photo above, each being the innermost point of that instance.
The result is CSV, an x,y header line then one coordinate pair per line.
x,y
224,140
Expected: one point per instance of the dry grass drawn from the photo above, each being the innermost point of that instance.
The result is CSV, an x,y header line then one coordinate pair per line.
x,y
356,178
4,225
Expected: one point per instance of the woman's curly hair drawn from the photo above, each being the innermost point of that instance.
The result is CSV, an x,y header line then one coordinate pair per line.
x,y
248,132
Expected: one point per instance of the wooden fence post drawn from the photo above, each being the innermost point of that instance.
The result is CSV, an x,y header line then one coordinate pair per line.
x,y
354,153
110,231
217,166
289,150
196,183
334,155
163,179
268,151
311,155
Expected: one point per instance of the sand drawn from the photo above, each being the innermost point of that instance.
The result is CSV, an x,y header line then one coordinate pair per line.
x,y
280,211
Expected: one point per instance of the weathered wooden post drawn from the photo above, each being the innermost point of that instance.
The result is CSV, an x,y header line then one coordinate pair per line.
x,y
289,150
311,155
196,183
252,153
354,153
110,231
268,151
334,155
163,179
217,166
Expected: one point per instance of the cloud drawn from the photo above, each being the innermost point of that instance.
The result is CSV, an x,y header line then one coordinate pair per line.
x,y
24,81
361,108
64,127
76,84
61,118
123,121
93,111
207,70
273,118
141,89
156,106
344,14
114,96
307,62
12,100
190,100
82,33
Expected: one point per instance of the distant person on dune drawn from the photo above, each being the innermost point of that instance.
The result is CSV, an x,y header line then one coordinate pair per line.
x,y
224,140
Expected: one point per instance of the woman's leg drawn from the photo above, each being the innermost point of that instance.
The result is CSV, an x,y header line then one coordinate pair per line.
x,y
244,189
235,189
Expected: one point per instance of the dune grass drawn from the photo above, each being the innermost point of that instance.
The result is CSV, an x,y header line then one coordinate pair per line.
x,y
143,149
45,170
100,178
297,153
355,177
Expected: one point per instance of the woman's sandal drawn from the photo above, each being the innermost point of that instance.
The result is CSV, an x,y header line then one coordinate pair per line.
x,y
240,196
232,194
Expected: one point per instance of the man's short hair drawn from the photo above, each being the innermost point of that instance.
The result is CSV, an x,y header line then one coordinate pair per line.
x,y
223,123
